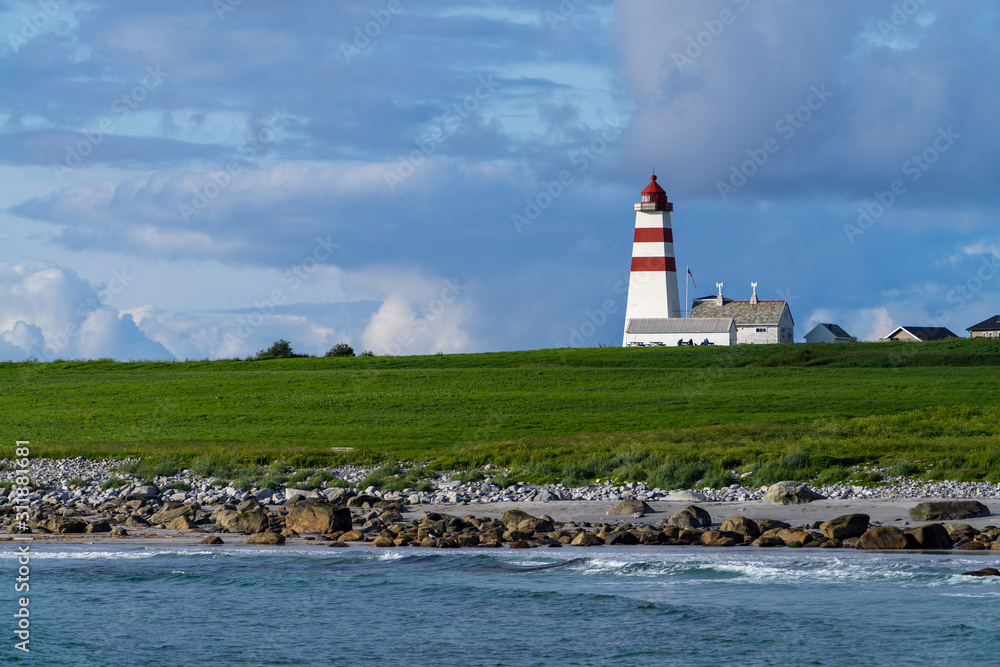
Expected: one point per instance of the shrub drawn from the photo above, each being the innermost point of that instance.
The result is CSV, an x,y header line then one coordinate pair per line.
x,y
114,483
367,353
224,467
280,349
679,475
469,476
903,469
77,481
504,481
833,475
153,466
319,478
340,350
178,486
869,477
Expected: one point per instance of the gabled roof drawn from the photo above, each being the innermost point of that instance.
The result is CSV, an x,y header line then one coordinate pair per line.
x,y
836,330
992,324
679,325
743,312
925,333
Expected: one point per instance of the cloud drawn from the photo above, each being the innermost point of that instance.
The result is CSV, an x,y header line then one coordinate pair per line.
x,y
49,312
714,80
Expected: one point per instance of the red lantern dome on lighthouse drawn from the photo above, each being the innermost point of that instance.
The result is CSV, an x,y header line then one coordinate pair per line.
x,y
654,198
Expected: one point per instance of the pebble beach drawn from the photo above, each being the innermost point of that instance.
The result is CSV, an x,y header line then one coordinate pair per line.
x,y
141,511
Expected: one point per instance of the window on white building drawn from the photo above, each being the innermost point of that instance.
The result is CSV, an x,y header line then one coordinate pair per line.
x,y
761,329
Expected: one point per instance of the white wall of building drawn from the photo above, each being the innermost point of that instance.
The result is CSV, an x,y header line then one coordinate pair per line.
x,y
670,339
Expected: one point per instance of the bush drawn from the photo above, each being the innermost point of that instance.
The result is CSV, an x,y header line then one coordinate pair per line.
x,y
469,476
833,475
153,466
178,486
223,467
280,349
114,483
367,353
679,475
903,469
340,350
77,481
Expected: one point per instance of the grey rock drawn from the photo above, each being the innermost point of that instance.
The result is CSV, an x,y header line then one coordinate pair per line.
x,y
790,493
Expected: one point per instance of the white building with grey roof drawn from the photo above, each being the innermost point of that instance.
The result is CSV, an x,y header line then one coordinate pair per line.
x,y
757,322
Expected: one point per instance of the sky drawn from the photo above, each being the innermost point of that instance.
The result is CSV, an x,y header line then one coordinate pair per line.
x,y
199,178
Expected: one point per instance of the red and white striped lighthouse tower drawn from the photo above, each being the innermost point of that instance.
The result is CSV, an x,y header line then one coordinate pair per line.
x,y
652,284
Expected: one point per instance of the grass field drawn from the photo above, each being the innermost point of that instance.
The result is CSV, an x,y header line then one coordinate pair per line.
x,y
665,415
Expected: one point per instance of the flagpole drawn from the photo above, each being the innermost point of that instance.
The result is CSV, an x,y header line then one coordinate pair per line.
x,y
687,274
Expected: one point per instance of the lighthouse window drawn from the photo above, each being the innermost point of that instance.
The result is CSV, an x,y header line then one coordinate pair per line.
x,y
645,198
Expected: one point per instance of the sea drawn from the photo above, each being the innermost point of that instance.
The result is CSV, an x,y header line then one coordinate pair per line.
x,y
153,605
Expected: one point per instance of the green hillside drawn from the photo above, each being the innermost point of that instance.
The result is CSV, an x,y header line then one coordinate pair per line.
x,y
567,414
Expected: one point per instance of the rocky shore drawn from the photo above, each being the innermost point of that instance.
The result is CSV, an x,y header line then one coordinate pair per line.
x,y
785,515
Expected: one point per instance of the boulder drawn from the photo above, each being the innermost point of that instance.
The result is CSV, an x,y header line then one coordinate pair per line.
x,y
789,536
621,537
948,510
248,505
744,526
985,572
338,496
768,541
148,491
266,538
353,536
630,507
882,537
712,538
363,501
790,493
585,539
536,525
243,522
165,516
848,525
511,519
136,521
181,523
691,516
212,539
383,542
770,524
293,496
309,517
933,536
959,531
98,526
690,496
725,542
63,525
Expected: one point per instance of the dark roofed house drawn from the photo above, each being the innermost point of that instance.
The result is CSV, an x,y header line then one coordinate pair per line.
x,y
756,321
924,334
828,333
986,329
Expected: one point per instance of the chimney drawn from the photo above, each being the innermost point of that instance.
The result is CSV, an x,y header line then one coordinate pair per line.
x,y
753,299
718,299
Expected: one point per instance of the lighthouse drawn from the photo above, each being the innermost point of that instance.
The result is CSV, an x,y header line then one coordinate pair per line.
x,y
652,283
